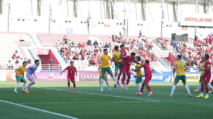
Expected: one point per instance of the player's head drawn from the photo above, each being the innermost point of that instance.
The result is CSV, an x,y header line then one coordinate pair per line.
x,y
116,48
122,47
105,51
138,59
24,63
178,57
206,57
202,59
71,63
133,55
146,61
37,62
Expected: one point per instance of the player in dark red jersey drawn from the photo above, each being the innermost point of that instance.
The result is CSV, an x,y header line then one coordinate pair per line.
x,y
206,77
148,77
71,75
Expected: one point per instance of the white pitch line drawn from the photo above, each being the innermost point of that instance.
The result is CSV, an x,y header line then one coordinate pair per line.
x,y
84,102
66,116
107,95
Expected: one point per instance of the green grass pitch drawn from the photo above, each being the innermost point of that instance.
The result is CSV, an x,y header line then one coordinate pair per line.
x,y
89,103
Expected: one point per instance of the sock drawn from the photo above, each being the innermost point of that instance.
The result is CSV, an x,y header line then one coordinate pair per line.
x,y
187,88
202,88
23,86
30,84
127,82
207,89
118,82
68,83
101,87
114,79
141,89
210,86
148,88
108,86
199,85
74,85
123,81
173,89
16,86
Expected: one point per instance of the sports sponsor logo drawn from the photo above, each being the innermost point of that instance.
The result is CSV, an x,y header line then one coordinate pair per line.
x,y
11,76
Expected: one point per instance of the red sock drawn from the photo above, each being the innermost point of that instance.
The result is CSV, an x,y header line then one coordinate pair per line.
x,y
74,85
68,83
202,88
123,81
148,88
142,89
207,89
127,82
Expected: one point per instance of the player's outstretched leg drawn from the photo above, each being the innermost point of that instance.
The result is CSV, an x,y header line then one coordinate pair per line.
x,y
149,89
68,84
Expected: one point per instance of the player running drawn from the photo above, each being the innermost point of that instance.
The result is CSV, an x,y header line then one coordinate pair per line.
x,y
71,75
148,77
139,73
118,63
180,66
20,76
127,60
206,77
102,81
30,73
106,66
122,54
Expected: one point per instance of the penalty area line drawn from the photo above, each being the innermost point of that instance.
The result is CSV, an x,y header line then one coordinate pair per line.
x,y
62,115
106,95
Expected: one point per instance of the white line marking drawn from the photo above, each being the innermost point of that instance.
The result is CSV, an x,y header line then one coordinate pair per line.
x,y
38,109
107,95
84,102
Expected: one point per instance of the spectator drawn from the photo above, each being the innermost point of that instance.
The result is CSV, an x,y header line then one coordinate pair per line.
x,y
106,45
65,41
124,42
14,56
113,37
65,37
82,53
21,39
75,45
129,42
89,42
151,45
79,45
110,46
16,53
140,33
62,50
96,43
58,42
88,53
92,61
16,62
118,39
72,44
83,45
29,61
10,65
68,41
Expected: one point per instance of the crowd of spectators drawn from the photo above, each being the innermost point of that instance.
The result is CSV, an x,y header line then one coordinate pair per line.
x,y
193,53
78,51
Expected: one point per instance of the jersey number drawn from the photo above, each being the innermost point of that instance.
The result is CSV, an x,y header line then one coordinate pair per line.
x,y
181,66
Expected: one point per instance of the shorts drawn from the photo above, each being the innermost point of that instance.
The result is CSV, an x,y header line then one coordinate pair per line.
x,y
181,77
29,76
104,70
126,71
71,78
20,78
147,79
105,78
206,78
201,76
139,79
118,67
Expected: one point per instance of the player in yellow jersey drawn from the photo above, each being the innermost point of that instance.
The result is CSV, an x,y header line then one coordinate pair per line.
x,y
20,76
106,66
118,63
180,66
139,73
100,78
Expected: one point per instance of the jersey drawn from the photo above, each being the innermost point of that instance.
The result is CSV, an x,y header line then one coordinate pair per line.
x,y
21,70
116,55
139,73
207,64
127,60
147,70
100,67
31,69
105,60
180,67
123,52
202,66
71,71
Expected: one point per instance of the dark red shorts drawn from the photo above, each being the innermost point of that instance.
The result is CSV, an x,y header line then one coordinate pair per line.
x,y
126,71
206,78
71,78
147,79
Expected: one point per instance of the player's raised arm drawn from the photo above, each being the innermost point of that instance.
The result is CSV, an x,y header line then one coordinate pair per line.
x,y
63,70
